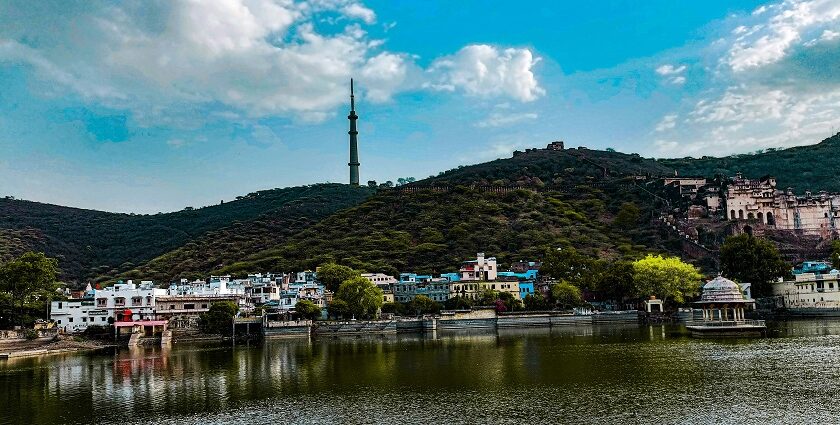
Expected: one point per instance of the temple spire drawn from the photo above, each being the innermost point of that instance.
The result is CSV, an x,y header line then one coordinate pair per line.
x,y
354,143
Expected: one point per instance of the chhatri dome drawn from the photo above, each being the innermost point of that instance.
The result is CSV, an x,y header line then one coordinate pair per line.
x,y
721,289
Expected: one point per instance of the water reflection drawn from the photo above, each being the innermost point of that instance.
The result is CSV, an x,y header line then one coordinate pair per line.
x,y
574,374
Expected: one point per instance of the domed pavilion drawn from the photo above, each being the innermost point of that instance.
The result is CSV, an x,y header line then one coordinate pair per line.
x,y
723,306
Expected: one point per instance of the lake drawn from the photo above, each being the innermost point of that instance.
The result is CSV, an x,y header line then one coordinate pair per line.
x,y
584,374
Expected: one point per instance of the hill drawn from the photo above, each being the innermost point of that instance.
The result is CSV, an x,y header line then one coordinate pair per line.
x,y
504,208
802,168
91,243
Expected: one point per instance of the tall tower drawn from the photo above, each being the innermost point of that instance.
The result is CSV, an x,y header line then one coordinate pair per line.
x,y
354,143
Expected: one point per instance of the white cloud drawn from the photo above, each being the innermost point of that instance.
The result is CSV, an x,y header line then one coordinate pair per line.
x,y
672,74
668,122
670,70
484,70
786,26
497,119
358,11
169,62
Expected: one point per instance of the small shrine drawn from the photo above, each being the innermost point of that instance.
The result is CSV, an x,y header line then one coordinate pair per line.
x,y
723,307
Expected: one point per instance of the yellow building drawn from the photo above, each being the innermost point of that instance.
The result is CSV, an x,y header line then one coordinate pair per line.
x,y
473,289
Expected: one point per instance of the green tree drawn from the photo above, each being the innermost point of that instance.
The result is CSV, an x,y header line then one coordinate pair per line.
x,y
566,295
617,282
573,267
745,258
458,303
835,254
219,318
394,308
27,280
536,301
665,277
488,297
627,217
307,309
332,275
511,303
422,304
338,309
363,298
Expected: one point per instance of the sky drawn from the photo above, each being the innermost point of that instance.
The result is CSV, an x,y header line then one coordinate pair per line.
x,y
154,105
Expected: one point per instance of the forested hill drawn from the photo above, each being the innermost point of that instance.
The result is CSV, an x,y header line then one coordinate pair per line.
x,y
91,243
802,168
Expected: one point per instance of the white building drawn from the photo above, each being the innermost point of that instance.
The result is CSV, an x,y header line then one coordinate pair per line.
x,y
380,279
760,202
809,291
76,314
480,269
122,297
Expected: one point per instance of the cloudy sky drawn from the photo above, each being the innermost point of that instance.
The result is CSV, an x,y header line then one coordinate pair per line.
x,y
146,106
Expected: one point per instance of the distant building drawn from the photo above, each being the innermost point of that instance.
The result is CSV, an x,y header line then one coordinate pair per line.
x,y
481,269
687,186
380,278
555,146
75,315
169,306
760,202
809,291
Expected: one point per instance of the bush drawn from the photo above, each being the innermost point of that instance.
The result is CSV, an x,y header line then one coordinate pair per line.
x,y
30,334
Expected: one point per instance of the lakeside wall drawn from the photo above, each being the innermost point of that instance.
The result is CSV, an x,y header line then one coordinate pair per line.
x,y
448,320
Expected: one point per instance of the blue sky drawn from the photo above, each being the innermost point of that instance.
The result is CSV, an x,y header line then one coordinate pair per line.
x,y
147,106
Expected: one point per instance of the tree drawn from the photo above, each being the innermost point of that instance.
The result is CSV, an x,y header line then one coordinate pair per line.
x,y
665,277
536,301
332,275
566,295
371,183
745,258
307,309
835,254
617,282
338,309
394,308
363,298
571,266
627,217
458,303
422,304
27,279
218,319
488,297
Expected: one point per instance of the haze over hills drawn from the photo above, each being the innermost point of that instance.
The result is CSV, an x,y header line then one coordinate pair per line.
x,y
513,208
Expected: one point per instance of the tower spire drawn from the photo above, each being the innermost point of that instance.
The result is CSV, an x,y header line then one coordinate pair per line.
x,y
354,143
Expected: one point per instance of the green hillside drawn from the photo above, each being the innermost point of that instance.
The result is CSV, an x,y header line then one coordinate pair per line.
x,y
219,248
802,168
91,243
504,208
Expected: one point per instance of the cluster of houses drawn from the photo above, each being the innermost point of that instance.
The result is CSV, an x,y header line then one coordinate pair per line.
x,y
129,302
133,302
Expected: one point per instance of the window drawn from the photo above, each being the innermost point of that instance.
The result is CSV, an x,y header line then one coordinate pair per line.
x,y
84,319
136,301
189,306
172,306
59,304
101,302
204,306
58,321
102,319
119,301
70,320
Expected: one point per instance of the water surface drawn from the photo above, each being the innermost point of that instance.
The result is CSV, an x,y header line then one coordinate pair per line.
x,y
584,374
